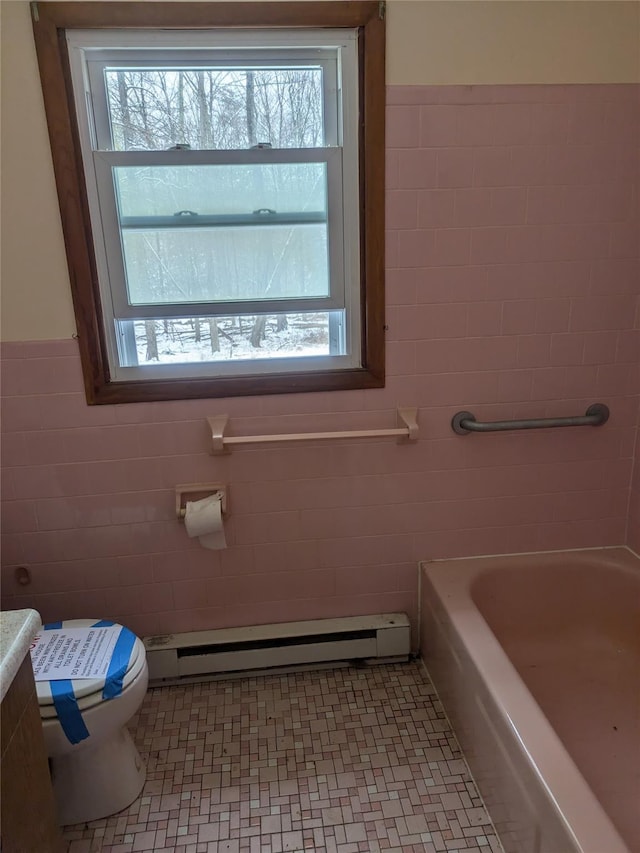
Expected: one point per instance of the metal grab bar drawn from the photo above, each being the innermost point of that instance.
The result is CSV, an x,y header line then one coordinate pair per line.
x,y
463,423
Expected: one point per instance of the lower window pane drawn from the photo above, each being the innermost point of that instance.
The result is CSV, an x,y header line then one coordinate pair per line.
x,y
222,264
217,233
230,339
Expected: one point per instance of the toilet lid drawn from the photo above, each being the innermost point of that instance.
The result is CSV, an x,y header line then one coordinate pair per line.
x,y
85,687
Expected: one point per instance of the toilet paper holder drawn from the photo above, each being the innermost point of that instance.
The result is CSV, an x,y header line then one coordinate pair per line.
x,y
198,491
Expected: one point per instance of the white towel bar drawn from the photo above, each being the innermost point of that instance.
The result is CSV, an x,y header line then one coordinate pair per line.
x,y
407,430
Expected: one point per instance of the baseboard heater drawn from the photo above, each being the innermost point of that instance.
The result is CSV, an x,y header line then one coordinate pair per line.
x,y
209,654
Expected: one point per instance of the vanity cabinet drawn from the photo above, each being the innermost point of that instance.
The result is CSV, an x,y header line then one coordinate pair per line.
x,y
28,822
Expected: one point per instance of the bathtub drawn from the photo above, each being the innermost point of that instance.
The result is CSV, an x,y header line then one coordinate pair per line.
x,y
537,661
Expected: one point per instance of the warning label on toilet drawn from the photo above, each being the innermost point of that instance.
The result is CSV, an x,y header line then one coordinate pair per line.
x,y
73,652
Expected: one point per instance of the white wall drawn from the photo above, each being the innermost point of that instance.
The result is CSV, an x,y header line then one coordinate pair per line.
x,y
447,42
513,42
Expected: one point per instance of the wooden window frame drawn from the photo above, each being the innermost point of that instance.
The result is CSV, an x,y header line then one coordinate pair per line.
x,y
51,20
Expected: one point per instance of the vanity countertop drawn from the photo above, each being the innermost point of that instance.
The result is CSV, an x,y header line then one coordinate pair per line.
x,y
17,630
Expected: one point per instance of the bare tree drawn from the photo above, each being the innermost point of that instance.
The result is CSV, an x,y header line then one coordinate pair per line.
x,y
152,340
250,106
258,331
213,332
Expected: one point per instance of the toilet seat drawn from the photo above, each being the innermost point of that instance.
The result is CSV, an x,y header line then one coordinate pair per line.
x,y
88,691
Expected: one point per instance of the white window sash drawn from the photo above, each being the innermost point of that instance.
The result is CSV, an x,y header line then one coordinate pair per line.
x,y
104,163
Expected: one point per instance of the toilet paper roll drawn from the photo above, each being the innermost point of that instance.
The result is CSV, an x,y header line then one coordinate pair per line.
x,y
203,519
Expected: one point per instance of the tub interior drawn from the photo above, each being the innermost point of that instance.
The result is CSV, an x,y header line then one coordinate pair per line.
x,y
572,631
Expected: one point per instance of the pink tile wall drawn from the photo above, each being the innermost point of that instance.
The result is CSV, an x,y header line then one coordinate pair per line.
x,y
512,290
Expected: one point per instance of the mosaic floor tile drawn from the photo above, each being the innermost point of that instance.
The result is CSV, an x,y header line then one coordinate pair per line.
x,y
353,760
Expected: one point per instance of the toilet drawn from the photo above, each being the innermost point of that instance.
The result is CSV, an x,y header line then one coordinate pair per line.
x,y
96,769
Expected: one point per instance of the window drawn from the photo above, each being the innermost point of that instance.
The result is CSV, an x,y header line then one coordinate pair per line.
x,y
221,189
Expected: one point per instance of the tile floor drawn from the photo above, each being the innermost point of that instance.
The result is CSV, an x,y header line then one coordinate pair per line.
x,y
344,760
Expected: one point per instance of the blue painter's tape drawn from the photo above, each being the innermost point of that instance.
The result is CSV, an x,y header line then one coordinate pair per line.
x,y
119,660
66,704
68,712
119,664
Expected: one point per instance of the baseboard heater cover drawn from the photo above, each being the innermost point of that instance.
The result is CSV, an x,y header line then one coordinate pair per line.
x,y
173,657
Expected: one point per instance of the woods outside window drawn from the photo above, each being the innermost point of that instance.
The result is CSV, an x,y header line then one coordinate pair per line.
x,y
220,170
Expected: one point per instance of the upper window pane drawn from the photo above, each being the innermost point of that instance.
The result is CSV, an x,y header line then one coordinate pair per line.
x,y
215,108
